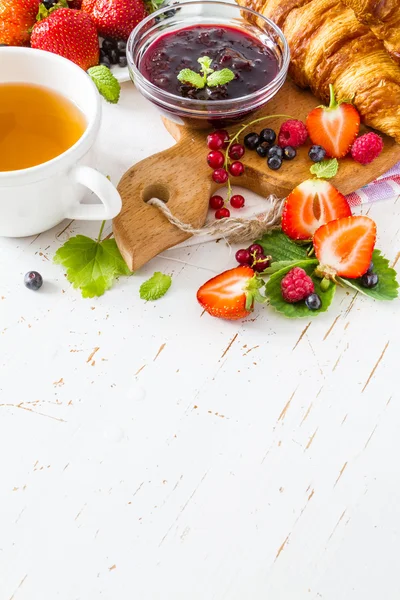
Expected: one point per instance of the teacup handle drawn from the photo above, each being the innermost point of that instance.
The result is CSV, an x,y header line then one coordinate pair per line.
x,y
103,188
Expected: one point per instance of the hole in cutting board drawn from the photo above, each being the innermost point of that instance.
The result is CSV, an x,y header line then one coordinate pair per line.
x,y
156,190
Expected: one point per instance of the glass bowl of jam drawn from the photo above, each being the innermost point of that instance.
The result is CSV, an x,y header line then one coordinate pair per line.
x,y
207,63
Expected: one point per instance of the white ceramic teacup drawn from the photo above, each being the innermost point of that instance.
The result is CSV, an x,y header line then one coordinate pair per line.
x,y
35,199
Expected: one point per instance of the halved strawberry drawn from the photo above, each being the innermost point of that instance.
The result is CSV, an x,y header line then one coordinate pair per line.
x,y
344,247
334,127
312,204
231,294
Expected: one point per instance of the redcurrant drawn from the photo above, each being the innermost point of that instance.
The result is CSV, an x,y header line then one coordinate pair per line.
x,y
236,168
216,202
220,176
215,159
222,213
236,151
243,257
237,201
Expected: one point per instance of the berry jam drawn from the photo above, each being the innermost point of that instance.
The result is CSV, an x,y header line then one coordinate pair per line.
x,y
253,64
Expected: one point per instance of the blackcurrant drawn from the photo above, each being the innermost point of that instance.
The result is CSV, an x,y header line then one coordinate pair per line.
x,y
251,140
317,153
289,153
369,280
313,302
33,280
262,149
274,162
268,135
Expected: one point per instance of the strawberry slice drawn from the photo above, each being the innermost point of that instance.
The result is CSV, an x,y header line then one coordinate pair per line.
x,y
231,294
334,127
344,247
312,204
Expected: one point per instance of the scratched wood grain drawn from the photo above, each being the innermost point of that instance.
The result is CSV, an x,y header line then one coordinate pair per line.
x,y
149,451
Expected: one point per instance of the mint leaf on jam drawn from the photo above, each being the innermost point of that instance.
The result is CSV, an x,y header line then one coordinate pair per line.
x,y
91,265
155,287
387,287
189,77
106,83
220,77
298,309
325,169
207,76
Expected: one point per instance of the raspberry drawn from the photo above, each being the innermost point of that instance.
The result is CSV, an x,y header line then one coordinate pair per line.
x,y
292,133
296,285
366,148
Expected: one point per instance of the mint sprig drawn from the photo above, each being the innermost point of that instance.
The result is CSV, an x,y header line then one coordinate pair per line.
x,y
207,76
298,309
106,83
326,169
156,287
387,287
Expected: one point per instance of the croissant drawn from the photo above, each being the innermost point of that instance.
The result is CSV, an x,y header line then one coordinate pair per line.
x,y
383,18
329,45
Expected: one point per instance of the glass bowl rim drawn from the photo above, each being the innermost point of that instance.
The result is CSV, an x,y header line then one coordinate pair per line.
x,y
173,98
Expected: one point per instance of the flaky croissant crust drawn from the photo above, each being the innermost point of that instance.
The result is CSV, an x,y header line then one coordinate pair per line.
x,y
383,18
329,45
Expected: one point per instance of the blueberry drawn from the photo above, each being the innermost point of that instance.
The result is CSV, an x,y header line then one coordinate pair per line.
x,y
122,61
369,280
49,3
313,302
268,135
274,162
289,153
317,153
105,61
121,46
251,140
262,149
113,56
108,45
275,151
33,280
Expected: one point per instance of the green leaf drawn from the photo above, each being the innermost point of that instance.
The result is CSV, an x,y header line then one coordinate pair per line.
x,y
298,309
325,169
106,83
155,287
220,77
205,62
282,248
153,5
191,78
281,264
387,286
91,266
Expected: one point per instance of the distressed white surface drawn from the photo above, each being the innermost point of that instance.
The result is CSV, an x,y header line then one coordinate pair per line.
x,y
151,453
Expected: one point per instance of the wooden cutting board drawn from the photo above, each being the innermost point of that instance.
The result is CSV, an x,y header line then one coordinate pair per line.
x,y
181,177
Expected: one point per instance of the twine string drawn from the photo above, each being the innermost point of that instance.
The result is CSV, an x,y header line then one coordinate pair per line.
x,y
233,229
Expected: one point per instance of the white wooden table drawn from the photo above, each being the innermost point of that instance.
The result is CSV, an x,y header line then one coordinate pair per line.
x,y
151,453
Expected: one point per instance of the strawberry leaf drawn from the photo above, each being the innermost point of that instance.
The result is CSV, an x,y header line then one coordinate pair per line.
x,y
277,245
298,309
387,286
91,265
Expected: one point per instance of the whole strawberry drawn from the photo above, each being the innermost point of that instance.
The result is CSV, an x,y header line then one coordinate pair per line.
x,y
115,18
69,33
16,19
